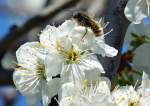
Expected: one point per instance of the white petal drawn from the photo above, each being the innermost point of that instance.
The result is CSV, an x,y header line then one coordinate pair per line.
x,y
124,94
53,64
83,39
30,54
65,42
106,81
92,75
27,82
64,102
141,58
136,10
107,101
133,28
91,63
48,37
145,81
66,90
67,27
76,74
139,29
49,90
105,50
103,88
144,89
145,101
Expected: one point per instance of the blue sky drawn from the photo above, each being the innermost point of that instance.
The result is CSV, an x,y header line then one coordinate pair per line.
x,y
7,19
19,102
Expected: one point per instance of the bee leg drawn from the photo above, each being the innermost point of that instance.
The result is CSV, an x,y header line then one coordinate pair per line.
x,y
84,33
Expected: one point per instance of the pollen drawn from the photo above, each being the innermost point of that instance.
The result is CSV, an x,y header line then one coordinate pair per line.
x,y
59,47
133,103
86,86
41,71
72,56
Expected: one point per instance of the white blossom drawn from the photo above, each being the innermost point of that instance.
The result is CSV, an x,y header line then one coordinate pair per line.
x,y
66,56
62,51
29,76
129,96
86,94
126,96
137,10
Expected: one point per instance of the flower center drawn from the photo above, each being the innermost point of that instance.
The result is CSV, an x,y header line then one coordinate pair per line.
x,y
133,103
41,71
87,83
72,56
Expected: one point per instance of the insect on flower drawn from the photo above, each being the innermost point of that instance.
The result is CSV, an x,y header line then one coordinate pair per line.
x,y
86,21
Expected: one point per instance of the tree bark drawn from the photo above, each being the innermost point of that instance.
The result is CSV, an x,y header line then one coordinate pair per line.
x,y
115,15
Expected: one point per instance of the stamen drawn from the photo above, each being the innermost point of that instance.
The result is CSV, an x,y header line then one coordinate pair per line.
x,y
116,87
148,7
100,20
56,100
108,32
136,84
67,68
122,99
59,47
72,56
133,103
106,25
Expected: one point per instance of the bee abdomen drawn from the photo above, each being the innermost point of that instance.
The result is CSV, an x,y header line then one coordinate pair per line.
x,y
98,32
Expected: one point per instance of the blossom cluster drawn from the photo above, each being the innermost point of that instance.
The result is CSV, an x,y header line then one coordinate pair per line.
x,y
62,55
138,11
64,62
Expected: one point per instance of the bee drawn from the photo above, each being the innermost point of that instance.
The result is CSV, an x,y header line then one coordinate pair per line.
x,y
86,21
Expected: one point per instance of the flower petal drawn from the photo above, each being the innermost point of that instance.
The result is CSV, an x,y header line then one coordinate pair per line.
x,y
66,90
27,82
139,29
144,89
67,27
30,54
125,94
145,101
49,90
83,37
104,49
136,10
140,63
53,64
145,81
48,37
91,63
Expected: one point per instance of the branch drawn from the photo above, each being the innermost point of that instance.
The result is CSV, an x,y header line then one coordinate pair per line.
x,y
12,36
115,15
